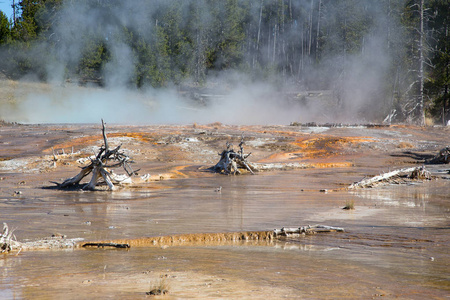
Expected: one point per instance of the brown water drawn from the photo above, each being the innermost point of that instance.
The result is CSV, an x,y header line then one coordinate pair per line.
x,y
395,245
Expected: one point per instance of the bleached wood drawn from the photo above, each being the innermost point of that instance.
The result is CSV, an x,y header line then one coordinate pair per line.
x,y
100,166
385,176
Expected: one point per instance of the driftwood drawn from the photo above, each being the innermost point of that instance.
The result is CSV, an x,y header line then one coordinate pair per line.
x,y
417,173
100,167
103,245
230,161
306,230
7,240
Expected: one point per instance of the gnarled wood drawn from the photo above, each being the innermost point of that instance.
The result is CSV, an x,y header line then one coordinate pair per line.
x,y
230,161
7,240
100,167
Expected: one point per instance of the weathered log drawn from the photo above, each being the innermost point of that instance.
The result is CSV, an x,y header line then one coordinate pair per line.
x,y
383,177
306,230
103,245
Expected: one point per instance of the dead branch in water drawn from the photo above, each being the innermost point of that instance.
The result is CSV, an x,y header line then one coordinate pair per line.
x,y
8,240
101,166
103,245
230,161
415,173
306,230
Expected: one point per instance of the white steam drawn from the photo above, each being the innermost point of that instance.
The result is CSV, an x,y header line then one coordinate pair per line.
x,y
240,100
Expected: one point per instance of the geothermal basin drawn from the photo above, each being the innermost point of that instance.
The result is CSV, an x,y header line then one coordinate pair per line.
x,y
395,243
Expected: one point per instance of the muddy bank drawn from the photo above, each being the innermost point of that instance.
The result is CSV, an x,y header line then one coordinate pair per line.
x,y
395,244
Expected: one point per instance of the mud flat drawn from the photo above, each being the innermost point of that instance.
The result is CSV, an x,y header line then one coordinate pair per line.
x,y
395,243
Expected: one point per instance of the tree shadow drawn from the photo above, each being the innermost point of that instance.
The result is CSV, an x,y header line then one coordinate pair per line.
x,y
425,158
57,186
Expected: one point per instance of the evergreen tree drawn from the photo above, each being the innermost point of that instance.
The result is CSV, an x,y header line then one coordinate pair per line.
x,y
437,85
5,29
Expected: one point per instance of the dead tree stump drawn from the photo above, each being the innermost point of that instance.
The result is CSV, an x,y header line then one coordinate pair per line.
x,y
230,161
443,157
101,166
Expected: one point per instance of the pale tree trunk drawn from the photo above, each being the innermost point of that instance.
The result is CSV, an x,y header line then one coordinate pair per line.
x,y
318,30
446,98
421,61
275,30
310,27
258,37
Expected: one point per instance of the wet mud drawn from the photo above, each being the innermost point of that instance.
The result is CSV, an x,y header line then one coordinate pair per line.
x,y
395,243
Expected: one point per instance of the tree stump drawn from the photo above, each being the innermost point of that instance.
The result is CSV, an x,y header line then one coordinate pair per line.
x,y
101,166
230,161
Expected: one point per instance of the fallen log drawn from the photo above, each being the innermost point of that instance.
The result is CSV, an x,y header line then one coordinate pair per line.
x,y
103,245
412,173
306,230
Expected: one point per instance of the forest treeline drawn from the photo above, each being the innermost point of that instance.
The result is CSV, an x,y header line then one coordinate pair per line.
x,y
391,54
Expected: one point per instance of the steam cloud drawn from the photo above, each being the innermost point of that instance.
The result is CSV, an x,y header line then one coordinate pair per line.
x,y
243,101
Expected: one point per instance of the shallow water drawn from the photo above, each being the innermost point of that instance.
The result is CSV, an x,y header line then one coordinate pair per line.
x,y
395,245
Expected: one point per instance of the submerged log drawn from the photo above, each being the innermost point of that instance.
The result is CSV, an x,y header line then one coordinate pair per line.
x,y
103,245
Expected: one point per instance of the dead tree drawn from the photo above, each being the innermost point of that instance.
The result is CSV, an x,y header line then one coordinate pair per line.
x,y
230,161
413,173
7,240
101,166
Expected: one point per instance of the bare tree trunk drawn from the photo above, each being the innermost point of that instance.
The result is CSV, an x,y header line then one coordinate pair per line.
x,y
318,29
302,45
310,27
421,61
274,42
283,39
268,44
446,98
259,32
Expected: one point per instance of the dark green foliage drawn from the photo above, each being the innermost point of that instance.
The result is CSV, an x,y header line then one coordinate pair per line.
x,y
437,86
95,55
5,29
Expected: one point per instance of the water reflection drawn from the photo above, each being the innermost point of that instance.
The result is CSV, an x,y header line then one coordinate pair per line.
x,y
396,239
